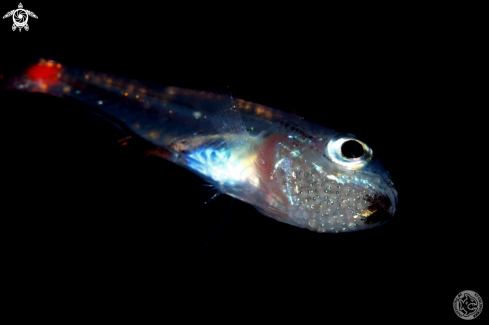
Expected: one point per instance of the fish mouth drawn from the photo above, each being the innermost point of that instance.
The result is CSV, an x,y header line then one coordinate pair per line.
x,y
382,206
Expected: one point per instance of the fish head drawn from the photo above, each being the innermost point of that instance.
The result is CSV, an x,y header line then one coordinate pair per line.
x,y
329,183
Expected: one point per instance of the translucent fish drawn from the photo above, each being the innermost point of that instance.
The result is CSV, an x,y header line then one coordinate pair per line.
x,y
289,169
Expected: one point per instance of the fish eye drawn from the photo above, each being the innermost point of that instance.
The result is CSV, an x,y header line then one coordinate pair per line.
x,y
348,152
352,149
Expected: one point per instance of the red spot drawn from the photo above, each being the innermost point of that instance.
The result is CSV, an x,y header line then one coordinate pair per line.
x,y
266,164
48,73
267,154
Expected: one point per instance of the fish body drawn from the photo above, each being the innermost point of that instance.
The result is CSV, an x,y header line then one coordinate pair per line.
x,y
292,170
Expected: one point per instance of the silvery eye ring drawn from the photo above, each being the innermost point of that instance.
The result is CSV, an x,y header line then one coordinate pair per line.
x,y
335,151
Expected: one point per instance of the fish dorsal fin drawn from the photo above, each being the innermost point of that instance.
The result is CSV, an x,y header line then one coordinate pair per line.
x,y
223,106
222,109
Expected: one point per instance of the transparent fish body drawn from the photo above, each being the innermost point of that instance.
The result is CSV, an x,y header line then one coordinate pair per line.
x,y
290,169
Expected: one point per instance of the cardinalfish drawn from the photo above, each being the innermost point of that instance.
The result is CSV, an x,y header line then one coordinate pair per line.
x,y
292,170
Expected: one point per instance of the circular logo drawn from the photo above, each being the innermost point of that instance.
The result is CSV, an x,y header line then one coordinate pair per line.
x,y
467,304
20,17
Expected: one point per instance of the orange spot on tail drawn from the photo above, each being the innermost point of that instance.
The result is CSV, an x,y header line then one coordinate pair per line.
x,y
45,72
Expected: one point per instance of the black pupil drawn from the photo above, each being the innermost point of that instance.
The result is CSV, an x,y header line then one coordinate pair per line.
x,y
351,149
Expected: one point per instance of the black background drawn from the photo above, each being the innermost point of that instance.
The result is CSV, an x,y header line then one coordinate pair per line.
x,y
83,216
